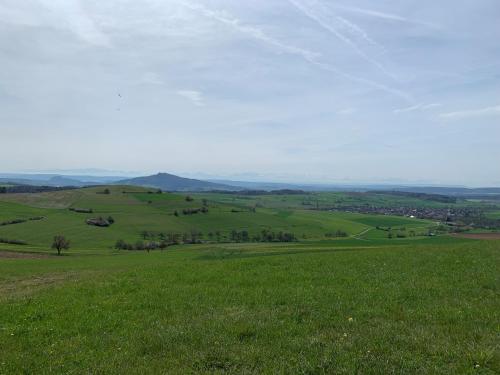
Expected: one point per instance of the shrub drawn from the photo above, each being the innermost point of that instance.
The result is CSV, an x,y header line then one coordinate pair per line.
x,y
98,222
12,242
81,210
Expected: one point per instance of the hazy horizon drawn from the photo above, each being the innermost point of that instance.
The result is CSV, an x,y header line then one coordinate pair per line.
x,y
283,90
242,177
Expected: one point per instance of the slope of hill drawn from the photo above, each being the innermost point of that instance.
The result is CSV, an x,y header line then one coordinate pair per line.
x,y
171,182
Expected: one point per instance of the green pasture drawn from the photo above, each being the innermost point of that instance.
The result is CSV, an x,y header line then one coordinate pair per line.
x,y
358,304
312,307
136,210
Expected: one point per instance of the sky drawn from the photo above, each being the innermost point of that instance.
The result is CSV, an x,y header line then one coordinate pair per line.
x,y
349,91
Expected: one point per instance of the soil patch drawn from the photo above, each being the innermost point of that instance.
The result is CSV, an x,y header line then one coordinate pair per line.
x,y
479,236
17,255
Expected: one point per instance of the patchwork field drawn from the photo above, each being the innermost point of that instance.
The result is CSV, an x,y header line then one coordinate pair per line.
x,y
136,210
363,303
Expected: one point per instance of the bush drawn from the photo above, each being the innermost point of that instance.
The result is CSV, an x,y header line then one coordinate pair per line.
x,y
98,222
81,210
193,211
12,242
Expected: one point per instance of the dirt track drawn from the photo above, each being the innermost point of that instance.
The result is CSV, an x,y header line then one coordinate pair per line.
x,y
479,236
16,255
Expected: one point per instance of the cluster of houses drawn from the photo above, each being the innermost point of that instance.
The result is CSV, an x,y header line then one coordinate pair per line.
x,y
459,216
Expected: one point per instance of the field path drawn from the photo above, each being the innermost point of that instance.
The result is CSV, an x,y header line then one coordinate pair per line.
x,y
358,236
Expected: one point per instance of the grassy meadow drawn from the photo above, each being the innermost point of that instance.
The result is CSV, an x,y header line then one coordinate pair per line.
x,y
362,304
136,210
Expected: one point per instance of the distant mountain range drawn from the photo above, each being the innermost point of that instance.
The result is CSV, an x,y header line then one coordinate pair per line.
x,y
170,182
56,180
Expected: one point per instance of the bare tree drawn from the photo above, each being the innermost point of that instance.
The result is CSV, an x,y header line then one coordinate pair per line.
x,y
60,243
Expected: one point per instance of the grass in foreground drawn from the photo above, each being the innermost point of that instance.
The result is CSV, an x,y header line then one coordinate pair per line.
x,y
304,308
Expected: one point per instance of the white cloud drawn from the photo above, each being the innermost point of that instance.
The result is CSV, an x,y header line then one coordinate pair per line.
x,y
196,97
72,15
459,115
150,78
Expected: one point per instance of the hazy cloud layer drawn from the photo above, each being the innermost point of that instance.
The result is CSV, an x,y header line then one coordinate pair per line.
x,y
308,90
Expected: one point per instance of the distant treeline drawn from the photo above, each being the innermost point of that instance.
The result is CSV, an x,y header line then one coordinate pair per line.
x,y
262,192
32,189
427,197
19,221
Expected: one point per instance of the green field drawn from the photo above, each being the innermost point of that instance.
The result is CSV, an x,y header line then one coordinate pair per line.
x,y
136,211
362,304
493,214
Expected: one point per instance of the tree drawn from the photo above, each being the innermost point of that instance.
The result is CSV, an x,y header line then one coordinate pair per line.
x,y
189,198
3,190
106,191
60,243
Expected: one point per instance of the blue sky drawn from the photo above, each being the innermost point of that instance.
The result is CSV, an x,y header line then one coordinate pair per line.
x,y
290,90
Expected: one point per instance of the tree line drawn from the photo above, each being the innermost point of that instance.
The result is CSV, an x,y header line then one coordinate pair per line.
x,y
153,240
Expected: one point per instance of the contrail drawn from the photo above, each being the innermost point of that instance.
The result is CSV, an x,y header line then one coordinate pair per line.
x,y
307,55
316,14
386,16
356,29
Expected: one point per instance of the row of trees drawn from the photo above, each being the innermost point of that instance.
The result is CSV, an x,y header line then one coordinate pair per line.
x,y
141,245
264,236
337,234
194,237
